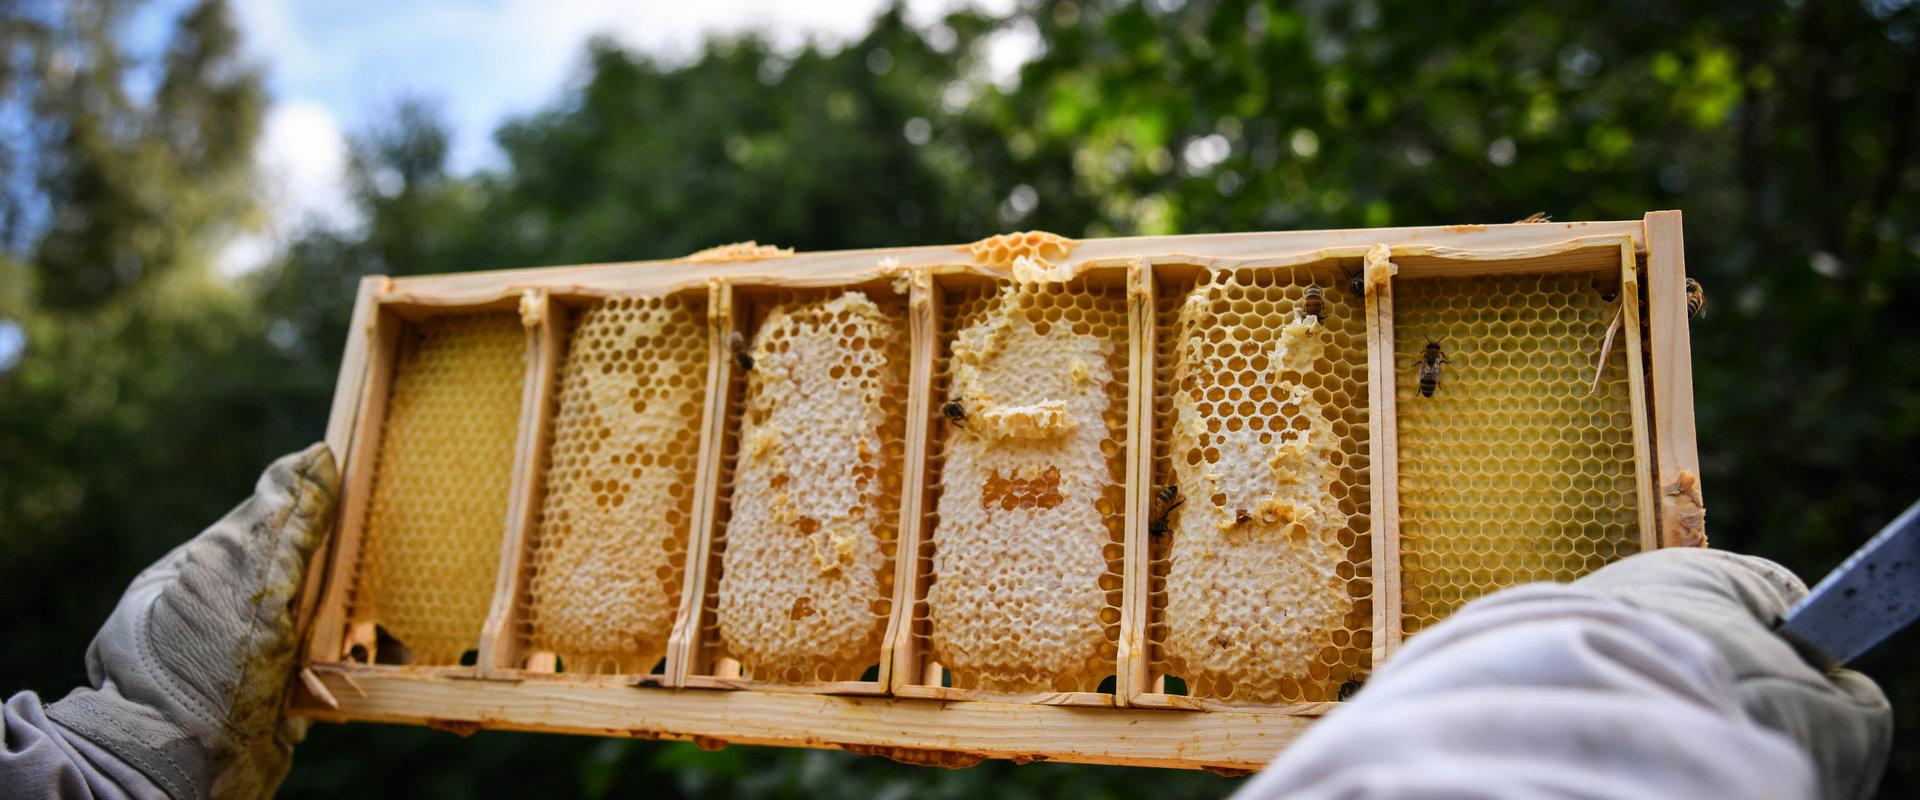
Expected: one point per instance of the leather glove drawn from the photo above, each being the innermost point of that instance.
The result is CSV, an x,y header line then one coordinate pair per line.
x,y
189,672
1840,716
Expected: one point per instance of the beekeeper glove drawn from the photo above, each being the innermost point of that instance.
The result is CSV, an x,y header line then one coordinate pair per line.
x,y
1838,716
1658,676
189,671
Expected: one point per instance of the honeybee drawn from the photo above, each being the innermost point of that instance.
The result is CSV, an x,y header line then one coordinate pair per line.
x,y
737,342
1315,302
1357,282
955,412
1165,500
1430,363
1696,299
1348,690
1537,216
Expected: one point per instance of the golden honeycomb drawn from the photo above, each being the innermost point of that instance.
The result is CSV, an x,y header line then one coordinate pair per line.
x,y
1261,580
1002,250
431,550
1022,584
1514,470
805,562
610,551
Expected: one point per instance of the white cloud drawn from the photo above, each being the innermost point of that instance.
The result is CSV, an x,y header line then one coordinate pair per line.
x,y
336,66
302,163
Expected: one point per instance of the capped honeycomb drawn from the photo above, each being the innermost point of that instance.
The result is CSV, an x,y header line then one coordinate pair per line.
x,y
609,554
431,549
1261,579
1514,470
1023,589
806,560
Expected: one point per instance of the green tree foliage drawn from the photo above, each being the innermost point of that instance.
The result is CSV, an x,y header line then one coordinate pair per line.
x,y
149,393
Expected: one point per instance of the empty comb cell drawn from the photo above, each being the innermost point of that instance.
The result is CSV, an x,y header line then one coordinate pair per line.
x,y
1262,563
806,561
1514,469
1025,573
610,551
431,550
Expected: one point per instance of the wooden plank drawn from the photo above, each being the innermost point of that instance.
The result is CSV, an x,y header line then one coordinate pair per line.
x,y
1465,244
685,637
1637,396
1676,457
381,334
1383,446
902,728
546,323
923,319
341,424
1135,656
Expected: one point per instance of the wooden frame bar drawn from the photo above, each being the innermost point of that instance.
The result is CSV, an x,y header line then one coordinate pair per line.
x,y
924,722
1682,509
1143,325
1637,392
546,323
1384,469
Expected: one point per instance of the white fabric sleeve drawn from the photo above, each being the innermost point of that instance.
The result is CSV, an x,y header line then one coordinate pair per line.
x,y
41,759
1543,691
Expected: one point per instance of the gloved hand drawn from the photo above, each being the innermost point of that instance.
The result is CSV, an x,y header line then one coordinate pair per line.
x,y
190,669
1840,716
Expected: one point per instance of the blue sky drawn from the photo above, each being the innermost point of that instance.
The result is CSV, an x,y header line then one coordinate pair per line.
x,y
333,66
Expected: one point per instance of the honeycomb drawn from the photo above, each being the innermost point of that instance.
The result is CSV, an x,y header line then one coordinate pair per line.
x,y
1262,581
1514,470
609,554
431,548
1025,568
1003,250
737,251
806,573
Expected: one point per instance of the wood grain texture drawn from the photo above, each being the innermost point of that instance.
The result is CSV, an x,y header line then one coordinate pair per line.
x,y
381,334
1461,245
546,323
1383,443
1134,657
1025,731
684,641
1637,396
1676,455
923,319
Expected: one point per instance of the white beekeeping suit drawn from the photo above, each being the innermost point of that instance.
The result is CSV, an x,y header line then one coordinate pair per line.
x,y
1655,677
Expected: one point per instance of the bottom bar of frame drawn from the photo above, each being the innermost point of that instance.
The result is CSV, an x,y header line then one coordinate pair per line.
x,y
918,731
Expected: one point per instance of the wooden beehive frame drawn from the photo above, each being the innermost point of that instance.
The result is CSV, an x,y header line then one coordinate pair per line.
x,y
924,723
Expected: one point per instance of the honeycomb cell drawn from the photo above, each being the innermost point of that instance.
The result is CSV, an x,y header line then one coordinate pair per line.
x,y
1023,580
609,555
806,557
1261,576
431,549
1513,470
